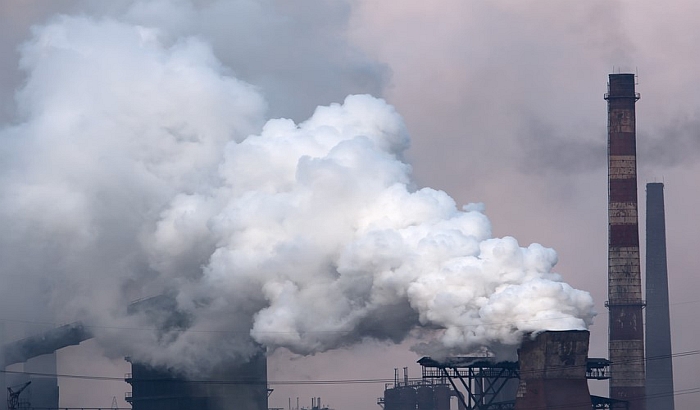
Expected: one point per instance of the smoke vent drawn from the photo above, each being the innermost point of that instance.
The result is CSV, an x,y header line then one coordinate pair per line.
x,y
228,385
553,371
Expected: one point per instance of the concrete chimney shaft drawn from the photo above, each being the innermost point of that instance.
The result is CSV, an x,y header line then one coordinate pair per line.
x,y
626,331
553,372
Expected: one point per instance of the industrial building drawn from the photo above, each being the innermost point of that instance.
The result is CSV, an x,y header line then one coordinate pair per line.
x,y
553,367
230,385
424,394
552,373
36,384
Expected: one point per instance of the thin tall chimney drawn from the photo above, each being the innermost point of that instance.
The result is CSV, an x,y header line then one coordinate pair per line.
x,y
626,332
658,322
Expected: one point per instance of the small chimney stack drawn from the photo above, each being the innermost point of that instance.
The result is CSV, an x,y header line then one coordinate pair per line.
x,y
553,371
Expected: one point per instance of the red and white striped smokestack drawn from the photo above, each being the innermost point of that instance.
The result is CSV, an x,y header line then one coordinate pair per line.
x,y
626,335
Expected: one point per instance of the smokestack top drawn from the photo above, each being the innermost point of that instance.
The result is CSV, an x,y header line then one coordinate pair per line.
x,y
655,186
553,372
621,86
555,355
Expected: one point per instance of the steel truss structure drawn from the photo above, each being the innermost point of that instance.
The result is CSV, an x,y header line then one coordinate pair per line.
x,y
484,380
481,379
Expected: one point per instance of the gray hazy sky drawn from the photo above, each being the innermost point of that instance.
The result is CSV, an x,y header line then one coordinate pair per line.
x,y
503,100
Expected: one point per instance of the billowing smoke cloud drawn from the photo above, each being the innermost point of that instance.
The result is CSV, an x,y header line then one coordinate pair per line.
x,y
142,167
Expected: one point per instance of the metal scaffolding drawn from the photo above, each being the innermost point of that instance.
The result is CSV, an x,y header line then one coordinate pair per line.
x,y
482,380
486,381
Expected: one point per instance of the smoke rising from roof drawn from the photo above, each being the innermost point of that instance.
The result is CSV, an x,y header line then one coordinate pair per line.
x,y
141,166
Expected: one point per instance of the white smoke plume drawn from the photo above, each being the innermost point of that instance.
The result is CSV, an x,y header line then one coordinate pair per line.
x,y
141,166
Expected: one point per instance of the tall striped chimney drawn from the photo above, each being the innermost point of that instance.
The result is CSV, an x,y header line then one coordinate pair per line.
x,y
658,322
626,333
